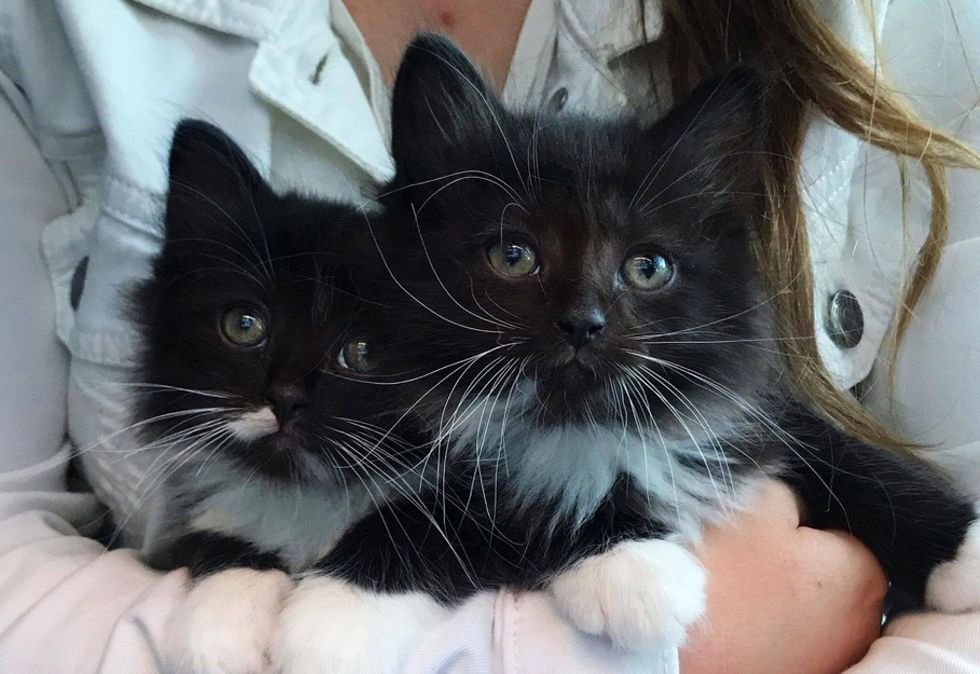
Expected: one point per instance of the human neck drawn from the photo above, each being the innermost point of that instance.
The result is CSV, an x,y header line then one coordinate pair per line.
x,y
488,37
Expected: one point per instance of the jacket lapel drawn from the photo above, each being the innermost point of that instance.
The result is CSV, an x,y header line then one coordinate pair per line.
x,y
299,68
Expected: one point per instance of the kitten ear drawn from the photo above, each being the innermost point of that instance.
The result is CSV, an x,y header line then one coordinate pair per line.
x,y
439,98
213,185
717,135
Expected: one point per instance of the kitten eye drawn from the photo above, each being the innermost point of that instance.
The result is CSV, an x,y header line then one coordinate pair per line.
x,y
513,259
243,327
648,272
354,356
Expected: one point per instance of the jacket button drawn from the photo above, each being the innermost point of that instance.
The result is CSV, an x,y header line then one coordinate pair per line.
x,y
558,100
845,319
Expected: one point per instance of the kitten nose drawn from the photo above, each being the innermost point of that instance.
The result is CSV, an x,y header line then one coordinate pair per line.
x,y
287,401
581,329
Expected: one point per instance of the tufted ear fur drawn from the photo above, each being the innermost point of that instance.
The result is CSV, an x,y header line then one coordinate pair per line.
x,y
440,98
714,139
213,188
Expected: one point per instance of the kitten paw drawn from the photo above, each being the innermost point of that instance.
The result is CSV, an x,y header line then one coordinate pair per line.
x,y
227,623
329,625
954,586
641,594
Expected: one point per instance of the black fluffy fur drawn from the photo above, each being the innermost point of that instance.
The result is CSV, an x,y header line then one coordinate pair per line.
x,y
206,552
586,194
231,242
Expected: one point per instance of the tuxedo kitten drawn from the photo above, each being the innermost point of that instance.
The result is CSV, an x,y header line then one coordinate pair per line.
x,y
267,449
579,323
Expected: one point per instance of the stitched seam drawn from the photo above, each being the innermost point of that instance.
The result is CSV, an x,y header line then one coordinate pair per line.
x,y
844,184
8,58
569,17
517,613
112,178
133,221
823,177
187,12
258,4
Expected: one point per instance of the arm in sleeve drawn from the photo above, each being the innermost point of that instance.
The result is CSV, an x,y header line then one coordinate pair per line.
x,y
936,396
66,605
511,632
935,401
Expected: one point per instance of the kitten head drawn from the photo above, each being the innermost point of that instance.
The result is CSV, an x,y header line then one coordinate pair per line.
x,y
249,321
574,272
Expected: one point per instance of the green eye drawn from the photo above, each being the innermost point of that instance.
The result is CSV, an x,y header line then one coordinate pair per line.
x,y
243,327
354,356
648,272
513,259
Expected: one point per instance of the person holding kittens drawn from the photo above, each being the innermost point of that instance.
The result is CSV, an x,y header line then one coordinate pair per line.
x,y
303,87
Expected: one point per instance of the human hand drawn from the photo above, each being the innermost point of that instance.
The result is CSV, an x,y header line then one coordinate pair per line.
x,y
783,598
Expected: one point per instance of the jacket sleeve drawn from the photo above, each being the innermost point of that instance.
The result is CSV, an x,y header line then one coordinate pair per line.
x,y
66,605
523,632
935,401
936,60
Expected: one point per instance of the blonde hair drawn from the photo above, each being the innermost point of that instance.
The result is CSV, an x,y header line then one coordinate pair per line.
x,y
814,70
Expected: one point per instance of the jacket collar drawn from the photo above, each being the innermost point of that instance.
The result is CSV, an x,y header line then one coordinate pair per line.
x,y
253,19
300,68
304,70
616,27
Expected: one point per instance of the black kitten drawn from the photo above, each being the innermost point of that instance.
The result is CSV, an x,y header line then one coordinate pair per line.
x,y
268,450
579,324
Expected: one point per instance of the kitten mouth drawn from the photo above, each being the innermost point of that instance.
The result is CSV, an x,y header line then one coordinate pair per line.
x,y
573,381
578,371
577,365
572,392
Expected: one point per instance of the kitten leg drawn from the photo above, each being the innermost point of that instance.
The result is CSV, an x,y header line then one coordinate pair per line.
x,y
643,594
925,534
954,586
331,625
227,623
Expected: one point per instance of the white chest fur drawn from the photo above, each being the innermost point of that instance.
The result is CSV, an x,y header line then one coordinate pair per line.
x,y
577,466
299,522
683,467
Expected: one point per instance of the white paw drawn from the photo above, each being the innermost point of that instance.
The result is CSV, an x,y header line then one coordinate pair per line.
x,y
227,623
329,625
642,594
954,586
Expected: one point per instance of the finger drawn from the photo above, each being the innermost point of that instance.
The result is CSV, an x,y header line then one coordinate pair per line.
x,y
772,512
839,559
775,504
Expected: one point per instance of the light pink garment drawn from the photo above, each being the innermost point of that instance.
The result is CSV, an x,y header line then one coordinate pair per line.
x,y
67,605
523,633
926,644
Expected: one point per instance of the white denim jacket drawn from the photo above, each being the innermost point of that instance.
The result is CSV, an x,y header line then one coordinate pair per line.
x,y
101,85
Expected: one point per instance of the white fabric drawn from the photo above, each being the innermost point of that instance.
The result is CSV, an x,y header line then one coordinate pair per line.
x,y
32,398
104,83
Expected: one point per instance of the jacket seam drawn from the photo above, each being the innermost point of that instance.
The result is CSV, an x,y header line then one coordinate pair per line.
x,y
515,600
